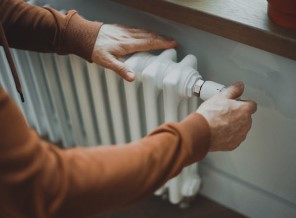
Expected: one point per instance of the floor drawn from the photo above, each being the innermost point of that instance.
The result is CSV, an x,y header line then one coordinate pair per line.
x,y
154,207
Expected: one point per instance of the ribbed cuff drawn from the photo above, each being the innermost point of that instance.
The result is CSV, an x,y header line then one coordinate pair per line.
x,y
198,132
80,36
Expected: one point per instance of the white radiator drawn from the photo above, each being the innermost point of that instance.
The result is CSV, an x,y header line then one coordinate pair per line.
x,y
78,103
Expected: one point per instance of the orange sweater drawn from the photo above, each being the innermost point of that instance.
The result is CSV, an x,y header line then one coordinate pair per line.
x,y
37,179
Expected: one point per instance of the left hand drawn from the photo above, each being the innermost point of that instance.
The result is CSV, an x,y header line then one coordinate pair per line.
x,y
229,119
115,41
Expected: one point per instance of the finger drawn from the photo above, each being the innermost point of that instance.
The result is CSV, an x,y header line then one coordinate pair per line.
x,y
249,125
125,27
251,106
234,91
137,30
121,69
144,34
151,43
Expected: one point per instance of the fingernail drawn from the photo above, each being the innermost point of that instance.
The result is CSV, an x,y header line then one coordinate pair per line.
x,y
130,76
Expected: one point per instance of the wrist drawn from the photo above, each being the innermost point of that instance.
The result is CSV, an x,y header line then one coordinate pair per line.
x,y
198,131
80,36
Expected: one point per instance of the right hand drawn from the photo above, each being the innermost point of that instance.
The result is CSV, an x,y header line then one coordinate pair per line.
x,y
229,119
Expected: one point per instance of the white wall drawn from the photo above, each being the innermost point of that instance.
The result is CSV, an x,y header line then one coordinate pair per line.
x,y
259,178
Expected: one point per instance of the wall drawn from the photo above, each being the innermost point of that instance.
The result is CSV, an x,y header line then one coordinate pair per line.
x,y
258,179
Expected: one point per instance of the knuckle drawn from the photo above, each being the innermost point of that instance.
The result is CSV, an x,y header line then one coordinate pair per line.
x,y
243,117
234,146
106,62
123,49
251,107
247,117
121,70
249,126
244,136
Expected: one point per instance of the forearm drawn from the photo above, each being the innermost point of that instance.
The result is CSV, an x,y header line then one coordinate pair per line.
x,y
119,175
47,30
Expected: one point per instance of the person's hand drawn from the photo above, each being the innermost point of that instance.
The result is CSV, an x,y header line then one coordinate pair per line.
x,y
229,119
115,41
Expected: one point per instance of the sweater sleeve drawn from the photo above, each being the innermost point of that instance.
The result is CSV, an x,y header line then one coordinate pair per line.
x,y
37,179
44,29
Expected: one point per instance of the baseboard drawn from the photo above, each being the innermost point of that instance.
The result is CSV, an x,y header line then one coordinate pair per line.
x,y
241,196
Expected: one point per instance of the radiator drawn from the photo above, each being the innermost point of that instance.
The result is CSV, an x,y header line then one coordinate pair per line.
x,y
73,102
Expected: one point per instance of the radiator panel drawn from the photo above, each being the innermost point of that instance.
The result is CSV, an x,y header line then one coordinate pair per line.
x,y
78,103
101,103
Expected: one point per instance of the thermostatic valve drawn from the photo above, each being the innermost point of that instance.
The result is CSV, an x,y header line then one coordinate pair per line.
x,y
207,89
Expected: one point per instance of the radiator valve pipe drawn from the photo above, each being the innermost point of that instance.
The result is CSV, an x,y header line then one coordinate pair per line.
x,y
207,89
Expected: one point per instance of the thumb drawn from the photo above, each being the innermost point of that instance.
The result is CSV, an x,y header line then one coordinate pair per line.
x,y
121,69
234,91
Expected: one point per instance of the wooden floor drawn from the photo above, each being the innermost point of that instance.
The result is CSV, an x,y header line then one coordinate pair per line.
x,y
154,207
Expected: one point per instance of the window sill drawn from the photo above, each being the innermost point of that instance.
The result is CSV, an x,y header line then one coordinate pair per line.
x,y
243,21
